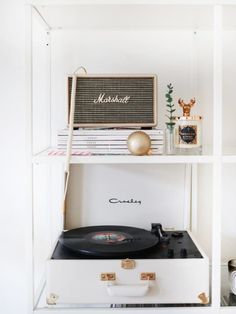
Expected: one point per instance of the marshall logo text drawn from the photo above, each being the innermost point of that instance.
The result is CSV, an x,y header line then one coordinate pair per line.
x,y
103,98
130,201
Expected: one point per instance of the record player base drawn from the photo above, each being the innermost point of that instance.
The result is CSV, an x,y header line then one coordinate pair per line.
x,y
178,281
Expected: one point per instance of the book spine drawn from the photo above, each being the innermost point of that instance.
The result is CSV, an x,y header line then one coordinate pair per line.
x,y
106,151
103,138
108,132
108,142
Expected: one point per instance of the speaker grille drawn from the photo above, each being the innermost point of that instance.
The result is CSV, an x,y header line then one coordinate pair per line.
x,y
114,101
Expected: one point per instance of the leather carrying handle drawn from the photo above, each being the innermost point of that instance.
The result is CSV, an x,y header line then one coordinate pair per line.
x,y
79,69
69,145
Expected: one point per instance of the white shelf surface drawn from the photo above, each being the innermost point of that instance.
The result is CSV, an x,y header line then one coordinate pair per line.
x,y
43,308
126,2
47,157
167,310
159,310
229,155
145,15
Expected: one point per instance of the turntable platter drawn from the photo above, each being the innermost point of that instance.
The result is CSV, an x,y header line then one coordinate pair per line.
x,y
108,241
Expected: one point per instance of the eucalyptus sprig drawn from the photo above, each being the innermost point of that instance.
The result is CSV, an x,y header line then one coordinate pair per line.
x,y
170,107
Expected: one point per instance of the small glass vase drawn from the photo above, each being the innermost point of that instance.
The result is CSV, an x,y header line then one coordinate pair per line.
x,y
169,141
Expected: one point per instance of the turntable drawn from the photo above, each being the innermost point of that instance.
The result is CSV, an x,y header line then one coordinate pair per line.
x,y
126,265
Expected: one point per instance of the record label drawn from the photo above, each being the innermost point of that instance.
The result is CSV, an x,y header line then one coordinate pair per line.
x,y
109,237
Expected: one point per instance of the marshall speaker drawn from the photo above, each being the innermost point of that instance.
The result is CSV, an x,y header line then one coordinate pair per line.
x,y
114,100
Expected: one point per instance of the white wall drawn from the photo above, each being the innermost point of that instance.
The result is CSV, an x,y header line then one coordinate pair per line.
x,y
13,210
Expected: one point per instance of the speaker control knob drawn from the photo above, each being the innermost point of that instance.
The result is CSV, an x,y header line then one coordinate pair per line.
x,y
177,235
183,253
170,253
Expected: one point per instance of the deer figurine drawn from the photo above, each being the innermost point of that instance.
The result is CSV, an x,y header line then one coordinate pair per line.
x,y
186,107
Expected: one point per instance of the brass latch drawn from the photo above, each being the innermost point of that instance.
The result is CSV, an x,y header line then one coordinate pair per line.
x,y
147,276
108,277
128,263
204,299
52,299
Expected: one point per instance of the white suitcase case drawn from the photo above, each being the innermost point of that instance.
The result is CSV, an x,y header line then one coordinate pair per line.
x,y
104,281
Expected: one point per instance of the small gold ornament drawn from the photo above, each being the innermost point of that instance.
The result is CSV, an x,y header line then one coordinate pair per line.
x,y
139,143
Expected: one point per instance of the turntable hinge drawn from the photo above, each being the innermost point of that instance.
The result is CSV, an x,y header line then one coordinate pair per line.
x,y
204,299
108,277
148,276
128,263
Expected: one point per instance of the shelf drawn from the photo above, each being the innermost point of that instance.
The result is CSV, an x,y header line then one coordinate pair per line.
x,y
161,310
229,155
192,57
229,14
135,2
182,310
147,15
43,308
229,159
51,156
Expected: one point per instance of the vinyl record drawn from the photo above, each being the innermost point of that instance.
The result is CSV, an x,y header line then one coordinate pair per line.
x,y
113,241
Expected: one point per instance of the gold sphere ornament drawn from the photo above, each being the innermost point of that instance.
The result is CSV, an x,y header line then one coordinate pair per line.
x,y
139,143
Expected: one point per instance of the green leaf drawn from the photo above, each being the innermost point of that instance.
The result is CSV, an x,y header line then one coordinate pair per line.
x,y
170,123
170,107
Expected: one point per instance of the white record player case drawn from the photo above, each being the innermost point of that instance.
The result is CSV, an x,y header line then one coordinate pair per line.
x,y
176,281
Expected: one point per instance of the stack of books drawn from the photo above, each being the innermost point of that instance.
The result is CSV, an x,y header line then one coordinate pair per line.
x,y
107,141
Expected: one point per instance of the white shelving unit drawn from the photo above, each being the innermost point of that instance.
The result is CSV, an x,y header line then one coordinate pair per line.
x,y
190,43
43,157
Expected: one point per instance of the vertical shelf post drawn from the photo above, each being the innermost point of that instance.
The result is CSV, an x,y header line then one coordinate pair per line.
x,y
29,150
194,192
217,151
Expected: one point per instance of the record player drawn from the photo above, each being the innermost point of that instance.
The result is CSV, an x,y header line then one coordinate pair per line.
x,y
126,265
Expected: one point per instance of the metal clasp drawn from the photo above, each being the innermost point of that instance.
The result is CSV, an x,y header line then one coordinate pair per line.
x,y
204,299
108,277
128,263
147,276
52,299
